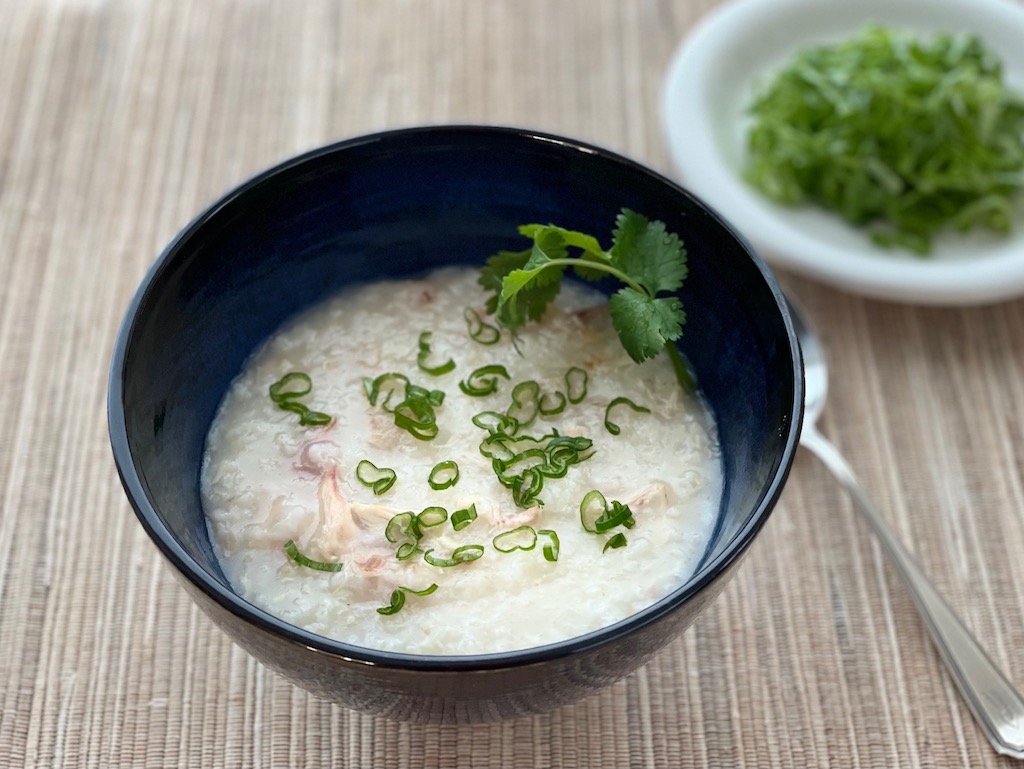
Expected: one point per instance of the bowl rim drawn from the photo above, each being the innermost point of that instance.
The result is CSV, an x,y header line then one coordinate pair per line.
x,y
980,268
187,567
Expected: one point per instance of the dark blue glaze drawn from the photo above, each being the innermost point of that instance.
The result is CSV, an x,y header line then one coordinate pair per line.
x,y
397,204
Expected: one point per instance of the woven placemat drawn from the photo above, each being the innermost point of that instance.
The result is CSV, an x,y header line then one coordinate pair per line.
x,y
120,119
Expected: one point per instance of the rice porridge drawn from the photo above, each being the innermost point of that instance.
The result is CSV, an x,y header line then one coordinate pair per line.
x,y
376,510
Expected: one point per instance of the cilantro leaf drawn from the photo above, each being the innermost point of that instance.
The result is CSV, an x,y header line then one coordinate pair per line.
x,y
582,241
645,324
525,295
590,249
548,246
644,250
526,292
494,271
644,256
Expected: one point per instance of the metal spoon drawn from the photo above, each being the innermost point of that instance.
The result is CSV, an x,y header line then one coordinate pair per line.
x,y
996,705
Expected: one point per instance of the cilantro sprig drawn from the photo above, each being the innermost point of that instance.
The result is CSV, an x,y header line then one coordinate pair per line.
x,y
644,256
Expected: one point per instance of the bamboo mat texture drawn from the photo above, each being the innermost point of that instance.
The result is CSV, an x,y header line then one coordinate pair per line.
x,y
121,119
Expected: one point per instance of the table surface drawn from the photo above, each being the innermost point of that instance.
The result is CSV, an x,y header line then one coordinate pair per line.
x,y
120,119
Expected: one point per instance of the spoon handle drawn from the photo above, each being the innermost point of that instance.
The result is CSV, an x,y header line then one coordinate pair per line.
x,y
996,705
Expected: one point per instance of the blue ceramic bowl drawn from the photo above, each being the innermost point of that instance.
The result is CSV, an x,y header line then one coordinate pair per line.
x,y
398,204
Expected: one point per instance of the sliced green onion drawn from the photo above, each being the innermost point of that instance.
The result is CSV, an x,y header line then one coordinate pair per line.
x,y
588,513
300,385
293,552
483,381
398,598
522,462
565,450
576,384
614,429
598,517
417,417
547,409
415,392
479,331
432,516
504,447
616,515
406,529
407,550
519,538
424,591
421,359
380,479
306,415
525,402
279,391
550,548
316,418
493,422
463,554
462,518
614,542
526,488
444,475
403,527
388,384
294,406
397,602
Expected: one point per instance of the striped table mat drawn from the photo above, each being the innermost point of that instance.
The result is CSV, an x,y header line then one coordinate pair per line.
x,y
120,119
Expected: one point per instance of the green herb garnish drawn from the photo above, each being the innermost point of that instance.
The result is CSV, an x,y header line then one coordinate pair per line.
x,y
444,475
551,547
525,403
901,134
463,554
398,598
610,426
293,552
295,384
404,530
644,256
549,408
599,517
286,391
479,330
385,385
483,381
614,542
415,412
493,422
523,462
462,518
575,384
380,479
431,516
519,538
417,417
424,354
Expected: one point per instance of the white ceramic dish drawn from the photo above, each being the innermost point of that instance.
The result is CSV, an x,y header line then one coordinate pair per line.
x,y
709,86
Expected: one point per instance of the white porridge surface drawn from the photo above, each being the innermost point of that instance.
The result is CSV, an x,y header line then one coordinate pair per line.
x,y
267,479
